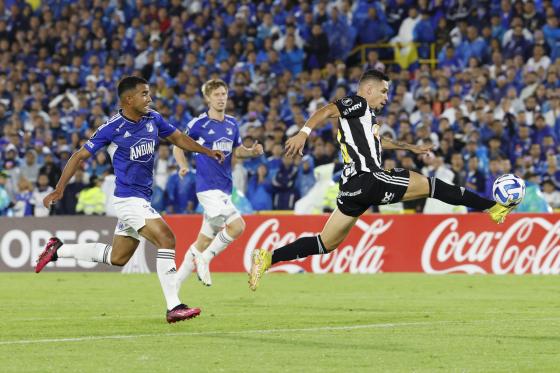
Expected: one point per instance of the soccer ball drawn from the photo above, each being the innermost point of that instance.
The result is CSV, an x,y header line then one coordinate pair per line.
x,y
508,190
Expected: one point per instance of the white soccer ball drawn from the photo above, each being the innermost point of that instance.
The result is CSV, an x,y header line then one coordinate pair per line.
x,y
508,190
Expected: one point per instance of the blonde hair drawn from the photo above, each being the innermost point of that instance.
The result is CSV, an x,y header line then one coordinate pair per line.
x,y
211,85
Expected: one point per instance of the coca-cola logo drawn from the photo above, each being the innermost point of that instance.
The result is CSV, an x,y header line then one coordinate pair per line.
x,y
365,257
529,245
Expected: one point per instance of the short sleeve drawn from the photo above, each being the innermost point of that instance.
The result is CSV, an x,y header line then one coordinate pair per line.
x,y
165,128
236,138
102,137
351,106
192,129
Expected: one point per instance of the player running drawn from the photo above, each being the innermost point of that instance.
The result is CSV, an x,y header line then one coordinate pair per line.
x,y
363,181
131,137
222,223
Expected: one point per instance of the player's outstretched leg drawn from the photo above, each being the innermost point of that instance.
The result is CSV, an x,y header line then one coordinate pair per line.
x,y
334,232
422,187
90,252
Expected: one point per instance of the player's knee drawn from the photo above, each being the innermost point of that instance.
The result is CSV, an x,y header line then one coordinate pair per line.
x,y
236,228
167,240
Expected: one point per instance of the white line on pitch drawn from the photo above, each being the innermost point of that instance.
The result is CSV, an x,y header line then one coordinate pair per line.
x,y
261,331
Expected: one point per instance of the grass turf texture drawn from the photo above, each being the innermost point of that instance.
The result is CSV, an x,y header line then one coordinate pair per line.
x,y
57,322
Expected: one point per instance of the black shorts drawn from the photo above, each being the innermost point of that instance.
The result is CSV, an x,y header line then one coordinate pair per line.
x,y
372,188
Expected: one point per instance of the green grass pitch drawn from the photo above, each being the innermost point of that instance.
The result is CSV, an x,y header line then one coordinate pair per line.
x,y
93,322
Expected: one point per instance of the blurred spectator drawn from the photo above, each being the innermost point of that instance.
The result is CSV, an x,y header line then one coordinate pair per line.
x,y
4,197
91,200
67,205
551,195
316,48
39,193
284,191
23,206
259,191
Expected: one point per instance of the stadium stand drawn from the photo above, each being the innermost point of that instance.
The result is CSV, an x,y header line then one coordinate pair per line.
x,y
477,79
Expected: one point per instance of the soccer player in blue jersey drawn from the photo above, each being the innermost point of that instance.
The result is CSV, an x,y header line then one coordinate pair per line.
x,y
222,222
131,137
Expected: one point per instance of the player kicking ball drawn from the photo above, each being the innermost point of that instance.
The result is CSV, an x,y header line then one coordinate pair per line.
x,y
363,181
222,223
131,137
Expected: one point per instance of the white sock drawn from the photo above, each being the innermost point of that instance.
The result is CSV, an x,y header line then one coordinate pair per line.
x,y
90,252
167,274
186,267
218,244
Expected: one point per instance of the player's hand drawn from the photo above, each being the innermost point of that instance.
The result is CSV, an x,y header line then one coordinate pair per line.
x,y
295,144
52,197
256,149
217,155
422,149
183,171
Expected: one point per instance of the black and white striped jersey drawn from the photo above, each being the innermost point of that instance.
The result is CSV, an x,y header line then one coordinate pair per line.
x,y
358,135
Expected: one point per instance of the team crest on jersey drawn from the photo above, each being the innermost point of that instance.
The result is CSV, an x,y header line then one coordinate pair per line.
x,y
143,150
223,144
150,127
229,131
347,101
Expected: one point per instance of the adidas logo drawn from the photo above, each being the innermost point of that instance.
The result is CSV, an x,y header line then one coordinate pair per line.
x,y
211,132
171,271
127,134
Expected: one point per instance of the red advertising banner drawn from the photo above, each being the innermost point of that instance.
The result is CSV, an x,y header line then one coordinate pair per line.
x,y
472,243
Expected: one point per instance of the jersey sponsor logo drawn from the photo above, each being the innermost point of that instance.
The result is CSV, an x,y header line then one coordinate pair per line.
x,y
143,150
223,144
347,101
352,108
349,194
150,126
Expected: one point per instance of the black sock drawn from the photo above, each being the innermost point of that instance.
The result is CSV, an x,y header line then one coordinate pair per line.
x,y
298,249
456,195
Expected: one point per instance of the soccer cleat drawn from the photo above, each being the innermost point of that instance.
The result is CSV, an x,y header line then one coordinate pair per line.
x,y
49,254
202,268
261,261
181,312
499,212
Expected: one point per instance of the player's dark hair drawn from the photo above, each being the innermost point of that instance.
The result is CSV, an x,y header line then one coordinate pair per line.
x,y
374,74
129,83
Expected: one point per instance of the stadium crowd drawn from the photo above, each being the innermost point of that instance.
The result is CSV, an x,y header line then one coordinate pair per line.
x,y
490,105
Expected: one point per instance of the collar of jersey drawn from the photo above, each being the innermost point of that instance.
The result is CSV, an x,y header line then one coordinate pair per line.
x,y
145,116
216,120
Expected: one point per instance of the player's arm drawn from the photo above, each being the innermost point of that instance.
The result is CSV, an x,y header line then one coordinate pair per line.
x,y
295,144
391,144
69,170
181,159
188,144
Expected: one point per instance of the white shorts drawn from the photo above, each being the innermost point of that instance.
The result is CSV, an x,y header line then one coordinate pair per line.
x,y
132,213
218,211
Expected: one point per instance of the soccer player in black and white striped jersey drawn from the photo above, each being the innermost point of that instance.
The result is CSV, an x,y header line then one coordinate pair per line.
x,y
363,181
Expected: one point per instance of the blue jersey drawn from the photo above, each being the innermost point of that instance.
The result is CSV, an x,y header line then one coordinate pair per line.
x,y
132,146
216,135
